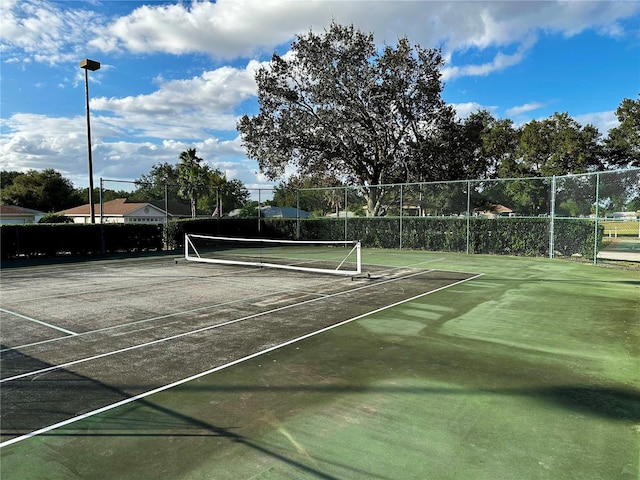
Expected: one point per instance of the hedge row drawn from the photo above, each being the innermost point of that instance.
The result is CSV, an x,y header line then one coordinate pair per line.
x,y
50,240
512,236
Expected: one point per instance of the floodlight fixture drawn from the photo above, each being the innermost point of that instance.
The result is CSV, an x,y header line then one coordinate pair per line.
x,y
90,65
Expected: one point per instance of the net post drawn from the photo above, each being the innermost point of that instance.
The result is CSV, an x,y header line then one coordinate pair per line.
x,y
186,246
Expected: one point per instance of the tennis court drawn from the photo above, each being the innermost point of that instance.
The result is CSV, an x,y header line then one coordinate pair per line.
x,y
426,365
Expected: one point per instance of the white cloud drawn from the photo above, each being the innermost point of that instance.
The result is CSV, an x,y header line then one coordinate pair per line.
x,y
55,32
41,31
219,90
38,142
603,121
527,107
186,109
499,62
224,29
463,110
229,28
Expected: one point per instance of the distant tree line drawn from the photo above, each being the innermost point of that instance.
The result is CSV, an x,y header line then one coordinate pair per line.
x,y
189,181
204,188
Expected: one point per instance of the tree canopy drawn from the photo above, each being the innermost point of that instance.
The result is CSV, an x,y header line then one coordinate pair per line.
x,y
559,145
337,106
206,188
192,177
622,146
46,190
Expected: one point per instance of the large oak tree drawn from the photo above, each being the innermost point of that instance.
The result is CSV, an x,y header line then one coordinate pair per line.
x,y
337,106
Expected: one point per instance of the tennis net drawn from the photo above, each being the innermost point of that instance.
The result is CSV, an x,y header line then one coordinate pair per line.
x,y
334,257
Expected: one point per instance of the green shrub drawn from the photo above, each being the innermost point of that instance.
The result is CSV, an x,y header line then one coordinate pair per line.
x,y
55,218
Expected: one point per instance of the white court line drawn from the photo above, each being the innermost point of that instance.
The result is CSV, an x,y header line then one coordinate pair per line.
x,y
221,367
203,329
38,321
160,317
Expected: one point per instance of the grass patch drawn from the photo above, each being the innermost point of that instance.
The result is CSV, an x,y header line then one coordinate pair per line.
x,y
622,228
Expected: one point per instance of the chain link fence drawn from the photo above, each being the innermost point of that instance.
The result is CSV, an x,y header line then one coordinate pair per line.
x,y
573,215
584,215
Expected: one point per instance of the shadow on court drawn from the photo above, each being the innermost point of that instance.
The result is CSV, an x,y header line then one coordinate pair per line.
x,y
65,394
57,401
151,419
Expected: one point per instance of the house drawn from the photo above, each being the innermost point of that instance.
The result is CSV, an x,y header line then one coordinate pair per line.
x,y
13,215
493,211
121,210
274,212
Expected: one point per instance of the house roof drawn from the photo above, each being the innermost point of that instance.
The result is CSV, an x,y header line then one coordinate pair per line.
x,y
175,209
494,208
15,210
283,212
121,206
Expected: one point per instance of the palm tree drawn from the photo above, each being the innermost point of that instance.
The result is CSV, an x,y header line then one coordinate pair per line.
x,y
192,177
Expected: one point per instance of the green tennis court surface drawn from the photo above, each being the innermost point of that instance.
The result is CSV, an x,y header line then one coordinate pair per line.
x,y
433,366
621,249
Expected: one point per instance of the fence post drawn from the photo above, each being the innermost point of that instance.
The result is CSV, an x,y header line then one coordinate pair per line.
x,y
345,213
259,205
166,205
102,242
101,199
468,214
218,208
401,204
552,218
297,214
595,227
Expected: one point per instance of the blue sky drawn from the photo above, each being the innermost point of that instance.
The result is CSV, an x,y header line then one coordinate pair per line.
x,y
178,75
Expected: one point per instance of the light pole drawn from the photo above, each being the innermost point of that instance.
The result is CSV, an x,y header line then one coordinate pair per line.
x,y
87,65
